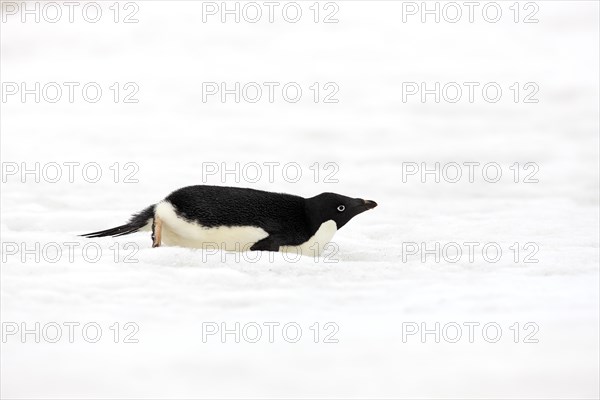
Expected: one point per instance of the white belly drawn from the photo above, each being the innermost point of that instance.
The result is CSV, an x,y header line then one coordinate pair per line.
x,y
178,232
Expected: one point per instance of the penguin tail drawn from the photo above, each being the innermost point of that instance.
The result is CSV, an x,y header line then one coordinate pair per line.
x,y
136,223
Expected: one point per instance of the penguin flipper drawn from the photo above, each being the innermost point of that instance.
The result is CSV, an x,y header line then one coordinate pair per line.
x,y
267,244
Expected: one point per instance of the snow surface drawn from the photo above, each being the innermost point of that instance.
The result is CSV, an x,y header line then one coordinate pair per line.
x,y
370,292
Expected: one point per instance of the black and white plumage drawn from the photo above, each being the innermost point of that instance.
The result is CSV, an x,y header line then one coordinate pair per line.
x,y
243,219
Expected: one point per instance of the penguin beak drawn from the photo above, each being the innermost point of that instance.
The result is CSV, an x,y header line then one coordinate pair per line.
x,y
369,204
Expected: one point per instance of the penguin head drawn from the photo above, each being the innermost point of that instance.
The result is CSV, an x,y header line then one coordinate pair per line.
x,y
340,209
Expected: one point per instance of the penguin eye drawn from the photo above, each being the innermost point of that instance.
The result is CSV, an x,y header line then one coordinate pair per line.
x,y
341,208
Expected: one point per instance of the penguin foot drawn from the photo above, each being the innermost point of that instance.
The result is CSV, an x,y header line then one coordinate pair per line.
x,y
156,231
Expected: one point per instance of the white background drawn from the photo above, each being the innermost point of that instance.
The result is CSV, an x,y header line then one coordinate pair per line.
x,y
369,133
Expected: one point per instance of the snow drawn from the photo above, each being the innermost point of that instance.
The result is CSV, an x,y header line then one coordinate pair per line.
x,y
371,293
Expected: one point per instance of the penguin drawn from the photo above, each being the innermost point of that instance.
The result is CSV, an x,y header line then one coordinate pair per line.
x,y
240,219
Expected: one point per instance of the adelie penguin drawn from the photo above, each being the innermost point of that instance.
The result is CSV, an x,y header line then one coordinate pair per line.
x,y
239,219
